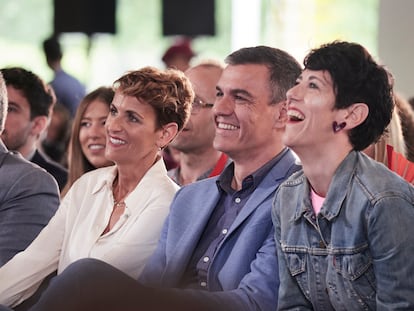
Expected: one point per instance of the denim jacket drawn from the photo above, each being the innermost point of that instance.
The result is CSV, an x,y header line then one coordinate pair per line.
x,y
358,252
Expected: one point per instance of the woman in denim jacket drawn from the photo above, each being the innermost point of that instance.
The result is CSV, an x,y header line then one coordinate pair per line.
x,y
344,225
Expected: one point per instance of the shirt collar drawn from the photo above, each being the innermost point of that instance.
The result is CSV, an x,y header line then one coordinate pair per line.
x,y
109,174
337,191
339,186
252,180
106,180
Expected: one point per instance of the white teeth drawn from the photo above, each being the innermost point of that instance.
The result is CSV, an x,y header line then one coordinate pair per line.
x,y
295,115
116,141
226,126
96,147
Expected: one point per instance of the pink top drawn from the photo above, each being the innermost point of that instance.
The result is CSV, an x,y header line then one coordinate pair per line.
x,y
317,201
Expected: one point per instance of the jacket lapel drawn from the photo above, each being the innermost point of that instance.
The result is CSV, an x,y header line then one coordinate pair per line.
x,y
195,221
266,188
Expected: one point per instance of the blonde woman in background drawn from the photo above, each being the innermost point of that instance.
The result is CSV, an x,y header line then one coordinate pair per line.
x,y
396,144
406,114
88,137
393,137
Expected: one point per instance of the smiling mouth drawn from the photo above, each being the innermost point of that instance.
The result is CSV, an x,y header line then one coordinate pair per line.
x,y
294,115
116,141
96,147
226,126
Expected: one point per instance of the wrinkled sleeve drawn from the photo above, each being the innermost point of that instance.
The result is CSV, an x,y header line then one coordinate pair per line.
x,y
390,232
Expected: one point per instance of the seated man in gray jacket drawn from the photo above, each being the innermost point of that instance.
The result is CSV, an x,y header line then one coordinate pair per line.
x,y
29,196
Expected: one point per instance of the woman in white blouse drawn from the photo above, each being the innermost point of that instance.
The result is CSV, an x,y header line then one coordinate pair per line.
x,y
113,213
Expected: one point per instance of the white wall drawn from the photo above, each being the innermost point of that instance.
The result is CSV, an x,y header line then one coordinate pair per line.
x,y
246,19
396,42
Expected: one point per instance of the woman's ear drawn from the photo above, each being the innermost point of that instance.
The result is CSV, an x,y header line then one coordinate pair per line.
x,y
356,114
167,134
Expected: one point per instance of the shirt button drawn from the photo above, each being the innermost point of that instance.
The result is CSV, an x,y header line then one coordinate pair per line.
x,y
203,284
206,259
224,231
237,200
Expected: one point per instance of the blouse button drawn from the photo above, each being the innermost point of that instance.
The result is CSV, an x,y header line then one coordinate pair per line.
x,y
237,200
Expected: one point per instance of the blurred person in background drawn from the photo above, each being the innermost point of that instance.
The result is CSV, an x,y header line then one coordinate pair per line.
x,y
198,158
55,142
69,90
88,139
406,114
179,55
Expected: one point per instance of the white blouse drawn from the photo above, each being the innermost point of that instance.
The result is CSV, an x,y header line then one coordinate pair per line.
x,y
76,229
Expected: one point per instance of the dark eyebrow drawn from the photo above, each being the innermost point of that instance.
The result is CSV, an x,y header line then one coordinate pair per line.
x,y
135,114
238,92
243,92
323,81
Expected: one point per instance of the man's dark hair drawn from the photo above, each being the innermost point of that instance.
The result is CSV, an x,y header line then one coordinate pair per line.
x,y
283,68
40,96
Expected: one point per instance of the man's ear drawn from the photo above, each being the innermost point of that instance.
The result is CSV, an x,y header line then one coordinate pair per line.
x,y
39,124
356,114
167,134
280,115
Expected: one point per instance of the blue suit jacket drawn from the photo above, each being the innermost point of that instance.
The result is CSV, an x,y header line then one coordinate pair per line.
x,y
244,273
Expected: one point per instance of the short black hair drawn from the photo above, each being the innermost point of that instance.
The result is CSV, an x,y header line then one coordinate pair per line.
x,y
284,69
357,78
39,95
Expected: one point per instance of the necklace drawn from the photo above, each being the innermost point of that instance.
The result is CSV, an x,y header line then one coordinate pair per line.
x,y
119,204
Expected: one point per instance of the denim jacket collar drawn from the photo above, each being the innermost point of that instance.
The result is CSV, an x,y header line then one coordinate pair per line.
x,y
341,179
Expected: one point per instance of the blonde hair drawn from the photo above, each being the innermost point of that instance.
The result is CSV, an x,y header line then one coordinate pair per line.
x,y
393,137
406,114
